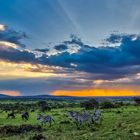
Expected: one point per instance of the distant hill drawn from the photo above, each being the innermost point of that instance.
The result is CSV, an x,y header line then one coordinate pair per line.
x,y
70,98
4,96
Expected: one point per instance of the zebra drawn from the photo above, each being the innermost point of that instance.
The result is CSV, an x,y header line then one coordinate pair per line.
x,y
86,117
97,116
80,118
11,115
72,113
45,119
25,116
75,116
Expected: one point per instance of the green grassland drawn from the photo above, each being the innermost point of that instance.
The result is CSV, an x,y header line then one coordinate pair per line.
x,y
114,126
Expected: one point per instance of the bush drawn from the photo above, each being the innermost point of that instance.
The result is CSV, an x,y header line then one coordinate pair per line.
x,y
91,104
11,129
137,100
43,105
38,137
107,104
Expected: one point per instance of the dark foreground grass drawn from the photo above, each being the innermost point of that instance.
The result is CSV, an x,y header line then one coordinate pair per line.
x,y
117,124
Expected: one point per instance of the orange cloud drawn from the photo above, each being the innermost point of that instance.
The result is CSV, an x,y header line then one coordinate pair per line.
x,y
10,92
96,92
10,70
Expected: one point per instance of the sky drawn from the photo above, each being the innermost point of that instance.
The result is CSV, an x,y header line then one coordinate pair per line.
x,y
70,47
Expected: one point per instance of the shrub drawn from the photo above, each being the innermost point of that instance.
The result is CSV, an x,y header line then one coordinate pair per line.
x,y
107,104
137,100
43,105
10,129
90,104
38,137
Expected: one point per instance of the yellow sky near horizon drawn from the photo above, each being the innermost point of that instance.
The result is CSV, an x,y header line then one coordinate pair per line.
x,y
10,70
96,92
89,92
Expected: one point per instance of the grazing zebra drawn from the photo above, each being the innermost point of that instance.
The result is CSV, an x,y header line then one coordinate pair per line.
x,y
80,118
97,116
72,113
25,116
11,115
45,119
85,117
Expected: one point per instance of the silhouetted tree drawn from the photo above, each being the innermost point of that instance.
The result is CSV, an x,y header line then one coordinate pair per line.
x,y
107,104
137,100
43,106
92,103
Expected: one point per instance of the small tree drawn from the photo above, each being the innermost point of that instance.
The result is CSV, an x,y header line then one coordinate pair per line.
x,y
43,106
91,104
137,100
107,104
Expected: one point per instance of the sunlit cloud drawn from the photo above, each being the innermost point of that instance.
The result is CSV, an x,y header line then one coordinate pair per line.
x,y
10,92
10,70
2,27
99,82
71,67
6,44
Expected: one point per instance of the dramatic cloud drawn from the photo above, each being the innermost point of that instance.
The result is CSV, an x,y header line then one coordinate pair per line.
x,y
110,62
10,70
42,85
42,50
115,61
15,55
60,47
12,36
71,64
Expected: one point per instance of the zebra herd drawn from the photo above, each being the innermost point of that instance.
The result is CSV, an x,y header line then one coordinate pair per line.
x,y
78,117
24,116
85,117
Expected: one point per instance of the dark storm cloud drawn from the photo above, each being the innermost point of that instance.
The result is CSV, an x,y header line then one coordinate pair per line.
x,y
74,40
60,47
37,86
15,55
13,36
112,62
116,60
42,50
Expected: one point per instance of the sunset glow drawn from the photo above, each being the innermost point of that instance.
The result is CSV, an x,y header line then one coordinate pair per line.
x,y
10,92
96,92
23,70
